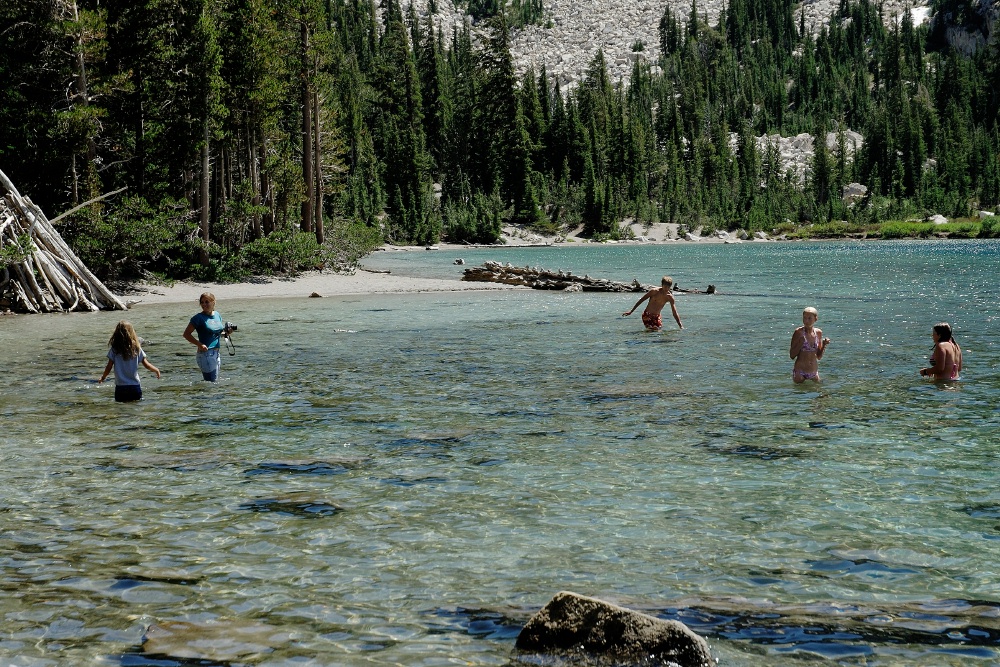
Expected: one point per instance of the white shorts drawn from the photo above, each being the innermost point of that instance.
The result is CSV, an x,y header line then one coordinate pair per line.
x,y
209,361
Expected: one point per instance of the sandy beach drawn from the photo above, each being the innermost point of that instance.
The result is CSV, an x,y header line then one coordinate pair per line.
x,y
307,284
363,281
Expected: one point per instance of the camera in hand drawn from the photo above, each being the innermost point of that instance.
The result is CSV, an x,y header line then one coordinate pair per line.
x,y
230,327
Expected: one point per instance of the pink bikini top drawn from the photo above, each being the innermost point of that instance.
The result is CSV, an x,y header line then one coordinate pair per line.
x,y
810,345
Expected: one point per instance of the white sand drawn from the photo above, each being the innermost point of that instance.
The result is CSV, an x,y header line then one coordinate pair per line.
x,y
307,284
369,282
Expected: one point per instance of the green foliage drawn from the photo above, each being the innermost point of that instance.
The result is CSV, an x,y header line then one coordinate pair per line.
x,y
286,251
902,230
828,230
483,9
16,250
480,221
133,238
989,228
232,122
909,229
347,241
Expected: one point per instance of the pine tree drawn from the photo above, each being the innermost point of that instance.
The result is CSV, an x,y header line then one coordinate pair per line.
x,y
398,123
501,123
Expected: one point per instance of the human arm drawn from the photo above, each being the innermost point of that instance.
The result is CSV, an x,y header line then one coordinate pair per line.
x,y
150,367
646,296
673,310
940,361
796,345
107,369
822,344
189,337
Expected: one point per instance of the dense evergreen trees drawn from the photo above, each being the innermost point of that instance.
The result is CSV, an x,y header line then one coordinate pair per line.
x,y
259,135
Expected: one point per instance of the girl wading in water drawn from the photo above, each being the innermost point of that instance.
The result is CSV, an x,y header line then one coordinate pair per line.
x,y
807,348
946,360
210,328
124,356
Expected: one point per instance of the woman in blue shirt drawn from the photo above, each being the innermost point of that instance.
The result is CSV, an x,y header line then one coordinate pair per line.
x,y
210,328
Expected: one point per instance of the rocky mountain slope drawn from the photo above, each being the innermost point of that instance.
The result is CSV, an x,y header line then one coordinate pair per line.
x,y
573,30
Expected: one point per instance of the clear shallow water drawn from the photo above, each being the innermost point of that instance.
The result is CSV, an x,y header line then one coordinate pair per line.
x,y
404,479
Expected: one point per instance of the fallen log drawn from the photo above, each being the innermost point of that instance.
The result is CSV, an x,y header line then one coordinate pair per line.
x,y
544,279
41,272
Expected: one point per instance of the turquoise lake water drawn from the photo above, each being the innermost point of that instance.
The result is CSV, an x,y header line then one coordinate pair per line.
x,y
404,479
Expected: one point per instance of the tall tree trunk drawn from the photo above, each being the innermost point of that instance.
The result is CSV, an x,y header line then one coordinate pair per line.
x,y
319,169
76,180
84,100
205,176
307,135
225,179
265,190
255,183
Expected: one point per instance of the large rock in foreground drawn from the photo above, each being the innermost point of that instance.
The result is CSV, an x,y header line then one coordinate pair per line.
x,y
576,623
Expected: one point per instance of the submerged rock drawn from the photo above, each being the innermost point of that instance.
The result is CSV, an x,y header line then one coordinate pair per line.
x,y
576,623
223,641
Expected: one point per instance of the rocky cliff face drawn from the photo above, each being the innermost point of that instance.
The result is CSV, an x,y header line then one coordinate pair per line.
x,y
977,27
573,30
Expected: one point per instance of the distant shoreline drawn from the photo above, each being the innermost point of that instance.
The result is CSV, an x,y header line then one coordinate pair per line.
x,y
370,281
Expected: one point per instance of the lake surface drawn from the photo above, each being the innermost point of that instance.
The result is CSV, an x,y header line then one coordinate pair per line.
x,y
403,480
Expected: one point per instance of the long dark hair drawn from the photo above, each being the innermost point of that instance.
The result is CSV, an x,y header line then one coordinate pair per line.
x,y
943,330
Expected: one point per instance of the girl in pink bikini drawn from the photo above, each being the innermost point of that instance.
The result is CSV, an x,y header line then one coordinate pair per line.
x,y
946,361
807,348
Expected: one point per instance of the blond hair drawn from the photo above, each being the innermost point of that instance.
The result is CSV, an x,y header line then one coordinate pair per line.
x,y
207,295
667,282
811,310
124,341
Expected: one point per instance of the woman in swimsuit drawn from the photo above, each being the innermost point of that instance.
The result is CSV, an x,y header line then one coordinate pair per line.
x,y
946,361
807,348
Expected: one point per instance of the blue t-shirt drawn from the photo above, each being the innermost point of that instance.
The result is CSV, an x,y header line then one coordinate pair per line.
x,y
209,328
126,370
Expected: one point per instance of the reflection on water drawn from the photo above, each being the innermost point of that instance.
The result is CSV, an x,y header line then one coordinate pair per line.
x,y
403,479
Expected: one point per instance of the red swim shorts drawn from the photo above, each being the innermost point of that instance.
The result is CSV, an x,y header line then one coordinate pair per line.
x,y
652,321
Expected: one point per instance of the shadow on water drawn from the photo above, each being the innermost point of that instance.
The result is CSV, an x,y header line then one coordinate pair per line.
x,y
308,509
320,468
144,660
755,450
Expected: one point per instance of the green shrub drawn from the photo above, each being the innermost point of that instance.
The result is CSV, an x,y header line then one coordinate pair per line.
x,y
904,230
962,230
17,251
989,228
132,238
480,221
284,251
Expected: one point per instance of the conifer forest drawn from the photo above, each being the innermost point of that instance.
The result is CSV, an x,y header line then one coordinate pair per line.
x,y
218,139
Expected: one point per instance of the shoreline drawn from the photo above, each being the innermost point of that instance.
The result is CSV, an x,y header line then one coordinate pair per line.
x,y
307,284
363,281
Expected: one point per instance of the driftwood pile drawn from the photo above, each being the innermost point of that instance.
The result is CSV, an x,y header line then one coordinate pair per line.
x,y
536,278
47,276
